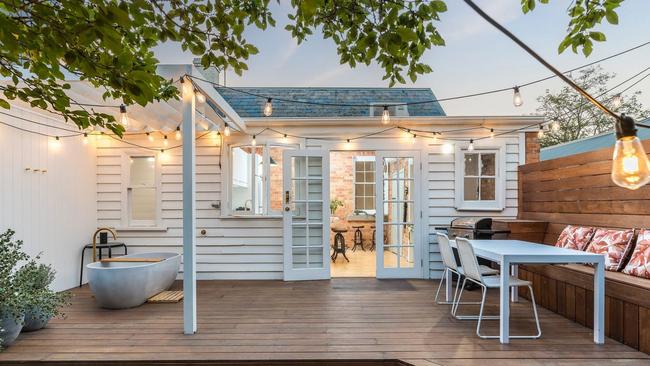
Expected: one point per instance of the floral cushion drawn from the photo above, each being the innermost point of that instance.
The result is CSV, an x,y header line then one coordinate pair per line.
x,y
614,244
575,237
639,264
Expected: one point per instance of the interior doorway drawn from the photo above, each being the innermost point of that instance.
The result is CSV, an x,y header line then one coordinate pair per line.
x,y
352,213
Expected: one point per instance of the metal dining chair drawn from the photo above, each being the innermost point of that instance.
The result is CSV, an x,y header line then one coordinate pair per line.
x,y
472,273
449,261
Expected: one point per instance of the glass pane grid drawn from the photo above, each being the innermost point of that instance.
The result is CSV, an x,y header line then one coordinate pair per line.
x,y
479,180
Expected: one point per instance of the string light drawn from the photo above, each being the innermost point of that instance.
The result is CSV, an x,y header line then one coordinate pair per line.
x,y
268,107
226,129
284,138
149,136
617,101
516,97
56,142
165,141
447,148
630,165
413,139
124,118
435,137
492,133
187,86
555,126
253,141
85,139
385,116
540,133
470,148
178,133
199,96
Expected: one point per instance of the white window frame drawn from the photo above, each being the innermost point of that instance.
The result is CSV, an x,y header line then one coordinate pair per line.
x,y
498,204
354,186
227,209
127,222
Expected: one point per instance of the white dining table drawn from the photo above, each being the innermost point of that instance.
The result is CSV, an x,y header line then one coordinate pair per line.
x,y
510,253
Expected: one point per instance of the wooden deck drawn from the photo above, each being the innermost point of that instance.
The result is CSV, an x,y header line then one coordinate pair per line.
x,y
341,319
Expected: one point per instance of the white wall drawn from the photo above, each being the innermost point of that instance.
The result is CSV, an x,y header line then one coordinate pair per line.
x,y
55,212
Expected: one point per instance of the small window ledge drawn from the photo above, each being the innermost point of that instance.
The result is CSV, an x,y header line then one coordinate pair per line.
x,y
251,217
143,228
471,207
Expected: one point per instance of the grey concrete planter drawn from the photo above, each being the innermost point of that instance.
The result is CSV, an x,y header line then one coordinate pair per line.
x,y
9,329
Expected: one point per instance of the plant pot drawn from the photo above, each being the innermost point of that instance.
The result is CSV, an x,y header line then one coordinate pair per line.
x,y
34,320
9,328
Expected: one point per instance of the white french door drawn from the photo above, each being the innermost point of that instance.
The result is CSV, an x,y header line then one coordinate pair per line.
x,y
306,215
398,214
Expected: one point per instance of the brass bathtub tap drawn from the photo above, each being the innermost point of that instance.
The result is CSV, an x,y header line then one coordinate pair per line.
x,y
95,239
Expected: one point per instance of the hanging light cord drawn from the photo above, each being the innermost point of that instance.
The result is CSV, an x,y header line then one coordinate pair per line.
x,y
541,60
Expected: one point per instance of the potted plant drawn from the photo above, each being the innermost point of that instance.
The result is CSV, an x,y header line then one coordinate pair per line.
x,y
12,294
41,303
335,203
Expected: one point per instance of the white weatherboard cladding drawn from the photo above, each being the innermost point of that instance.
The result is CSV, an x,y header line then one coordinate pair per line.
x,y
251,248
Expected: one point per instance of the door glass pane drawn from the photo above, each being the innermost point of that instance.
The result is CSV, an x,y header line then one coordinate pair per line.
x,y
315,187
299,212
299,234
275,178
315,257
299,166
315,213
315,166
299,257
471,164
299,189
398,212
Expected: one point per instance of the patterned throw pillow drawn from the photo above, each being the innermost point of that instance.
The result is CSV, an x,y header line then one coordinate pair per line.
x,y
614,244
575,237
639,264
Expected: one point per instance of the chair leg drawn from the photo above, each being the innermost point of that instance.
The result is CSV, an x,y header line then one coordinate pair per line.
x,y
454,308
126,250
443,279
81,269
532,301
480,313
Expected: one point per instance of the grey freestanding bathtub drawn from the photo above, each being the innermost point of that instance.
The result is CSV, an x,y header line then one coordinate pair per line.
x,y
121,285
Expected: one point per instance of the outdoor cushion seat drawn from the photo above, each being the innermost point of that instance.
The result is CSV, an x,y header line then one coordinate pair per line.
x,y
575,237
639,264
615,245
485,270
494,282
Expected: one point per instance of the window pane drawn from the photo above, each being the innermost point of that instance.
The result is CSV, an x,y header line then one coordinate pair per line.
x,y
488,164
242,185
143,170
471,189
260,194
488,189
359,190
471,164
143,204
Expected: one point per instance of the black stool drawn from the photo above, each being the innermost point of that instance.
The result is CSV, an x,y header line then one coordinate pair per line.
x,y
109,246
358,238
374,233
339,244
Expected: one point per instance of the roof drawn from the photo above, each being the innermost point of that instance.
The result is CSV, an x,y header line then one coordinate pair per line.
x,y
587,144
250,106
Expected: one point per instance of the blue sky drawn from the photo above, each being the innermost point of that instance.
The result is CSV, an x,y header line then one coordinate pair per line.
x,y
476,56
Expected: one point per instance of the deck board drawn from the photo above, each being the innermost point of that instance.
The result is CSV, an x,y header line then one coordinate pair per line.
x,y
341,319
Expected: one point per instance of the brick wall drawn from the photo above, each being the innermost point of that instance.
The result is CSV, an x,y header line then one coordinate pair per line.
x,y
532,147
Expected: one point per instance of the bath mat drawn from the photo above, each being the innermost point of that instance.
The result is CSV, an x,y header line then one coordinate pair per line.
x,y
166,297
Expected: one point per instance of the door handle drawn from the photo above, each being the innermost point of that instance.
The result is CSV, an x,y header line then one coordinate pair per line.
x,y
287,200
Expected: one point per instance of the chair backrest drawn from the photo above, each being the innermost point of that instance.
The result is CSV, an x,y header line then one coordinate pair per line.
x,y
468,259
446,252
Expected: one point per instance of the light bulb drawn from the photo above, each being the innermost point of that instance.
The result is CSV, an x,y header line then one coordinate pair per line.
x,y
471,146
447,148
124,118
284,138
435,137
268,108
630,165
178,135
56,142
149,136
413,139
188,88
540,133
199,97
165,141
617,100
516,98
492,133
385,116
253,141
555,126
85,139
226,130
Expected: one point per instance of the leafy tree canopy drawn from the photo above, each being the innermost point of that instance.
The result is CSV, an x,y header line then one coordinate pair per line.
x,y
574,118
108,43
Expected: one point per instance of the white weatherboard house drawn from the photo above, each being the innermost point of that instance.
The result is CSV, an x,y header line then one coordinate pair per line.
x,y
260,211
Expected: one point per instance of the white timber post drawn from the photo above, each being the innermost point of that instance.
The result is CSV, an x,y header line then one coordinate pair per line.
x,y
189,215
